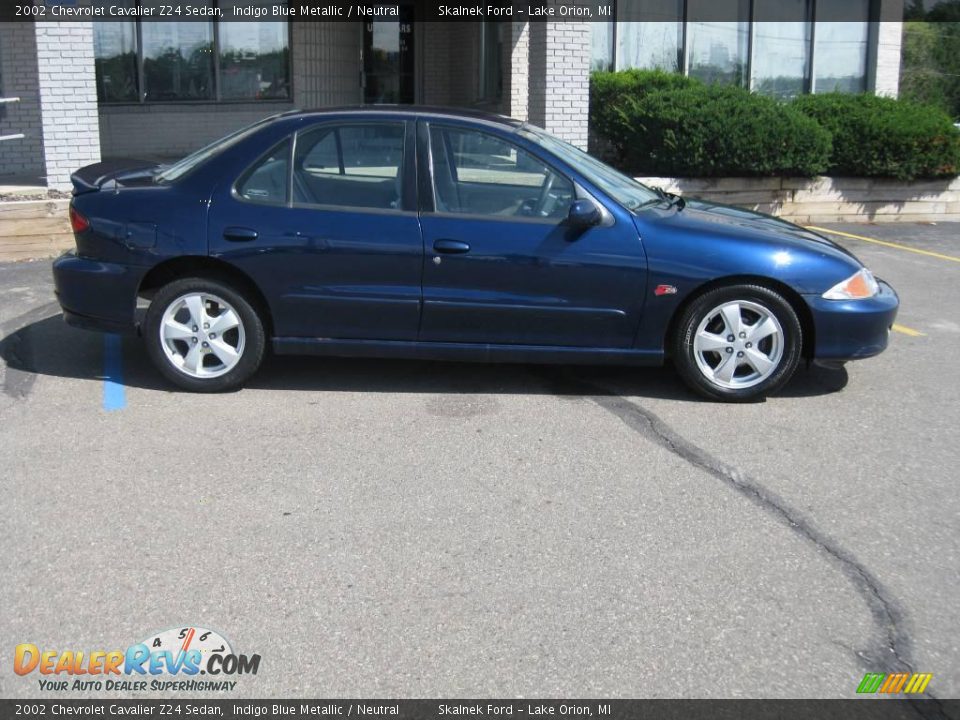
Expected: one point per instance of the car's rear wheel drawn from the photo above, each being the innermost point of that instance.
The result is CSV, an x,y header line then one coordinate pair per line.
x,y
738,343
203,335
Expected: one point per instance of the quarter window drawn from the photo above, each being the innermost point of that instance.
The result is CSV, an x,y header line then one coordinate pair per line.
x,y
479,174
350,166
267,181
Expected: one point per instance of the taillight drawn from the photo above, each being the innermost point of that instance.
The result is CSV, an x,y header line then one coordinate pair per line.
x,y
77,221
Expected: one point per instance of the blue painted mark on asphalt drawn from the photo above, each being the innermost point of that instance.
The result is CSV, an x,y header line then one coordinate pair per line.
x,y
114,392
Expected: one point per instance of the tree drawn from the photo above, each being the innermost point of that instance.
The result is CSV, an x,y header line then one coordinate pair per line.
x,y
930,68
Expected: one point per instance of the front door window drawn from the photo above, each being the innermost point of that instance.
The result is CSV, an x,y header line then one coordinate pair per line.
x,y
479,174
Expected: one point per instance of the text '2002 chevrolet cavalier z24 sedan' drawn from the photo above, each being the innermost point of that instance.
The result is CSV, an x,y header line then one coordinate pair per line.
x,y
430,233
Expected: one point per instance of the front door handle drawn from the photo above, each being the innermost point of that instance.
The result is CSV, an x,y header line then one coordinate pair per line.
x,y
451,247
239,234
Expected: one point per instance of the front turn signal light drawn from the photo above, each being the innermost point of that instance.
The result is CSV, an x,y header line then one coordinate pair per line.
x,y
859,286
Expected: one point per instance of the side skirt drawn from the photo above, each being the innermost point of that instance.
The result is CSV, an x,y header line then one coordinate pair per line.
x,y
467,352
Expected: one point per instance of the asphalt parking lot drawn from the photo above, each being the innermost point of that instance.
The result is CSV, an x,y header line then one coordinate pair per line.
x,y
384,528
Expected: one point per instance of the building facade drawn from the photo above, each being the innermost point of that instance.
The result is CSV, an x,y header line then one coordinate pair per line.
x,y
92,90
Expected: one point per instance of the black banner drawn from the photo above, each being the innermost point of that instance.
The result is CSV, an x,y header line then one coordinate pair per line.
x,y
422,10
294,709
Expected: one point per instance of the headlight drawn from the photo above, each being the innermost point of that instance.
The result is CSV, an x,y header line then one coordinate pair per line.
x,y
858,286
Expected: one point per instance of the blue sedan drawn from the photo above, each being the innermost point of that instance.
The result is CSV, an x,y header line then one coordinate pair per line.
x,y
432,233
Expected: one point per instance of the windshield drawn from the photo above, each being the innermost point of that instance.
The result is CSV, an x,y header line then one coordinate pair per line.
x,y
182,167
625,190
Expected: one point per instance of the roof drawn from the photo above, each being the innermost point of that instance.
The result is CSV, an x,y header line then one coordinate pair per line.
x,y
431,110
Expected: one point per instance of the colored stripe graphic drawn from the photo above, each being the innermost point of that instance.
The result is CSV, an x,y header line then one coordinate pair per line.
x,y
894,682
871,682
908,683
918,683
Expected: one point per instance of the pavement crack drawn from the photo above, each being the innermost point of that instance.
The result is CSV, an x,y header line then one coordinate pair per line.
x,y
892,652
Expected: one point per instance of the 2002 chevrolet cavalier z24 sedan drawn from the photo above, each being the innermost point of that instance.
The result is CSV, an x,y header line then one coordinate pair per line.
x,y
429,233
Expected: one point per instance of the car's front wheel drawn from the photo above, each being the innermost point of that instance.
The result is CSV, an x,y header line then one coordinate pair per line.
x,y
203,335
738,343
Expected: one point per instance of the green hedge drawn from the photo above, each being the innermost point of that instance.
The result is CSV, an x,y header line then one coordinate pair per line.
x,y
882,137
658,124
655,123
608,89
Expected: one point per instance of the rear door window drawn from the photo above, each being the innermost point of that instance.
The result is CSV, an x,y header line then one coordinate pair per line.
x,y
350,166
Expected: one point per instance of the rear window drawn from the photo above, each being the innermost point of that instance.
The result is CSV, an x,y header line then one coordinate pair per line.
x,y
180,168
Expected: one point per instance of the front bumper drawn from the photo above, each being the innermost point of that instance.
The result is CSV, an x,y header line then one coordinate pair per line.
x,y
97,295
853,329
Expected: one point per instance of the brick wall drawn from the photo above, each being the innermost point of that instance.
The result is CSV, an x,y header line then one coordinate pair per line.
x,y
432,46
18,70
449,61
68,99
559,80
172,130
326,63
516,70
889,39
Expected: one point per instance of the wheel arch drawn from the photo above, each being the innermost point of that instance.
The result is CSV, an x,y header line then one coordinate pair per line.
x,y
796,301
210,268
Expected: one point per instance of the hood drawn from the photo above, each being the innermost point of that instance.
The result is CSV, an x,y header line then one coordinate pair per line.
x,y
111,174
699,216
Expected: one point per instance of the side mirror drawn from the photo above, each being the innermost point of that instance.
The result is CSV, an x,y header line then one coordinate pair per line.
x,y
583,214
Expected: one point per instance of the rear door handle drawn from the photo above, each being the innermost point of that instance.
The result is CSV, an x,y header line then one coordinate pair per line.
x,y
451,247
239,234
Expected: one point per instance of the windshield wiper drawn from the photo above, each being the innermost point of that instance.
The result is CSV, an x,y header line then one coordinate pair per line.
x,y
671,198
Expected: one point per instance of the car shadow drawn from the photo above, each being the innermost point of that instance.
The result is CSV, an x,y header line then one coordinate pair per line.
x,y
53,348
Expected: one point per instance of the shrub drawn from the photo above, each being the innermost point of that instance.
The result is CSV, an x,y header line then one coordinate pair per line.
x,y
882,137
609,89
688,129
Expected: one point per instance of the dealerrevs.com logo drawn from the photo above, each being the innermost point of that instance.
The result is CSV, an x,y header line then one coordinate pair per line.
x,y
167,661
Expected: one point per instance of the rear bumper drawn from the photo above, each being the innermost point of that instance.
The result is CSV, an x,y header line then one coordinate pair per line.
x,y
853,329
96,295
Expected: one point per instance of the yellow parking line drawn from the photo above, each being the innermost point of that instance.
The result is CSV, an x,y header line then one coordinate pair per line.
x,y
907,330
898,246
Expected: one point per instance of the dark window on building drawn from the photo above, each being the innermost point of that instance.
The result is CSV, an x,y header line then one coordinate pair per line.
x,y
177,59
491,72
172,61
115,50
254,56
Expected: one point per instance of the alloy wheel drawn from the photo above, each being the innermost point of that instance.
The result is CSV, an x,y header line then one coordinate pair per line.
x,y
202,335
738,344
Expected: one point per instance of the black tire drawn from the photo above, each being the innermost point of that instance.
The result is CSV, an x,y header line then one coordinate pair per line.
x,y
685,357
253,345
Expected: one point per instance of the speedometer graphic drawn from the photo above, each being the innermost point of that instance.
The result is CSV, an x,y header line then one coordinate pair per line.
x,y
183,639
